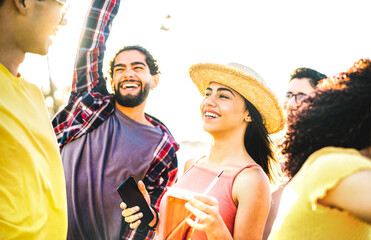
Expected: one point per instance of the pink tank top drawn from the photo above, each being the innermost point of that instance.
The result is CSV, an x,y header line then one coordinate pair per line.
x,y
197,179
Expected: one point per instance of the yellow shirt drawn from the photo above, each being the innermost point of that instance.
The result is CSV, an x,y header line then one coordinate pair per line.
x,y
301,217
32,188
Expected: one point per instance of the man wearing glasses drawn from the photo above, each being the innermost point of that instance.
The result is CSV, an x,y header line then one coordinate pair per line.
x,y
303,82
32,187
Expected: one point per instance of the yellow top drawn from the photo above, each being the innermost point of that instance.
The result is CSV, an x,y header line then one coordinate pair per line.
x,y
33,201
301,217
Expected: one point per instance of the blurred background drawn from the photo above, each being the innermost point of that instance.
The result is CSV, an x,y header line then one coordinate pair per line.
x,y
272,37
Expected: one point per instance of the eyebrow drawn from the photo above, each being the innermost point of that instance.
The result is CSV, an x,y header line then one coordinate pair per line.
x,y
221,89
299,93
132,64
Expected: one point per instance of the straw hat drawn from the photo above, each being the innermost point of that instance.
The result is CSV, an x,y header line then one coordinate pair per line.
x,y
247,83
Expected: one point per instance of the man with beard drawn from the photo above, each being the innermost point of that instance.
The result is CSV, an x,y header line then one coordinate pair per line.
x,y
106,138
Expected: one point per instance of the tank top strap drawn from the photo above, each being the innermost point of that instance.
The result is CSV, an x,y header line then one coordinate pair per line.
x,y
238,171
194,163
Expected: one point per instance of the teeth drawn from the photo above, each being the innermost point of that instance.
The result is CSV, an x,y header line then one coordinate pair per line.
x,y
212,115
130,85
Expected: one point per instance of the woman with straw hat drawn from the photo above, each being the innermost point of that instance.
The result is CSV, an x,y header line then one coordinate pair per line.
x,y
239,112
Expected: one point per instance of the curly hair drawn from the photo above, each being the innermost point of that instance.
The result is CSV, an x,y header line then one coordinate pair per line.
x,y
339,115
312,74
151,62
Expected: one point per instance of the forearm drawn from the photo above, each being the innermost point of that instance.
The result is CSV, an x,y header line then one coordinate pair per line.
x,y
90,54
222,234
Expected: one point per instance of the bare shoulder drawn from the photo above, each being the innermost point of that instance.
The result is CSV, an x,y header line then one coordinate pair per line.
x,y
252,176
251,181
188,164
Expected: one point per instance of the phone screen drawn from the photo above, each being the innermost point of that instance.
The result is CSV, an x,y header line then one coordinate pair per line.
x,y
131,195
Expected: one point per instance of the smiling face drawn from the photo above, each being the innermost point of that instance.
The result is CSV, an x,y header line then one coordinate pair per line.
x,y
299,88
41,23
132,79
223,110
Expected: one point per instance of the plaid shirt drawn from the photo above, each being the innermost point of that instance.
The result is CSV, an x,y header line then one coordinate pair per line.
x,y
90,104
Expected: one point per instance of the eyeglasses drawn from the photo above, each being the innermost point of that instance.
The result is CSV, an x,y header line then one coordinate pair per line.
x,y
65,4
298,97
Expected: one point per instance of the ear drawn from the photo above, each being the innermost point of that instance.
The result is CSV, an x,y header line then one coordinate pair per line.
x,y
112,86
22,6
248,117
155,81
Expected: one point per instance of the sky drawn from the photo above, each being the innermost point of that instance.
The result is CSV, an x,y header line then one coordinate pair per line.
x,y
271,37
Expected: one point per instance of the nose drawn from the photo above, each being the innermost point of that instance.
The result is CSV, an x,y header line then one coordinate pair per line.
x,y
291,104
128,74
209,101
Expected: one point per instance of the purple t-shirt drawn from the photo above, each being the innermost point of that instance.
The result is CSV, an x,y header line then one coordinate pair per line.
x,y
95,165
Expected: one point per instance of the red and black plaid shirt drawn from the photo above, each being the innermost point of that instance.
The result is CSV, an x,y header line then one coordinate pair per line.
x,y
90,104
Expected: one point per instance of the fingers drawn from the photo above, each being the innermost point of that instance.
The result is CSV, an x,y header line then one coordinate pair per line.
x,y
131,215
206,199
129,211
133,218
204,203
143,190
205,208
123,205
200,215
135,224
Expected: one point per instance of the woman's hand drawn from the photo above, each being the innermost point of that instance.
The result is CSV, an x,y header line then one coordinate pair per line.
x,y
133,215
208,219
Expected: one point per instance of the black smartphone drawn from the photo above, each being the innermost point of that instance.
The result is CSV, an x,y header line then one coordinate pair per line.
x,y
131,195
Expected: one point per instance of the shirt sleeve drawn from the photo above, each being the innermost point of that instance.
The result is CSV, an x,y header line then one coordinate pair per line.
x,y
90,54
89,96
329,169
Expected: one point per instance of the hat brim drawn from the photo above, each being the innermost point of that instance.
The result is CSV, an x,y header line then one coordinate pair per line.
x,y
245,84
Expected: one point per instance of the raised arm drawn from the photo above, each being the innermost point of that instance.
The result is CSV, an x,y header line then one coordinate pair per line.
x,y
90,102
89,58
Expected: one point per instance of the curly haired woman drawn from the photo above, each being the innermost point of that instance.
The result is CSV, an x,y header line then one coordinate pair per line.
x,y
328,146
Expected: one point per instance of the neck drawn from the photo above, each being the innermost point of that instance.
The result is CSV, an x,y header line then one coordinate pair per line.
x,y
135,113
11,55
11,58
228,149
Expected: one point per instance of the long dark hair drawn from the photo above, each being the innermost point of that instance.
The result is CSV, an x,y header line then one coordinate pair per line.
x,y
257,141
338,115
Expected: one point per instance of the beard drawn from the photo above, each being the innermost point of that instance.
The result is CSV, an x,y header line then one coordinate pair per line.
x,y
132,101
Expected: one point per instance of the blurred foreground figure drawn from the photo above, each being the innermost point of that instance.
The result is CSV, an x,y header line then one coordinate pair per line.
x,y
328,146
32,187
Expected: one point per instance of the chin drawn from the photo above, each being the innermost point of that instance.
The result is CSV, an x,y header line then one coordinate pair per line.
x,y
40,51
209,129
44,49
